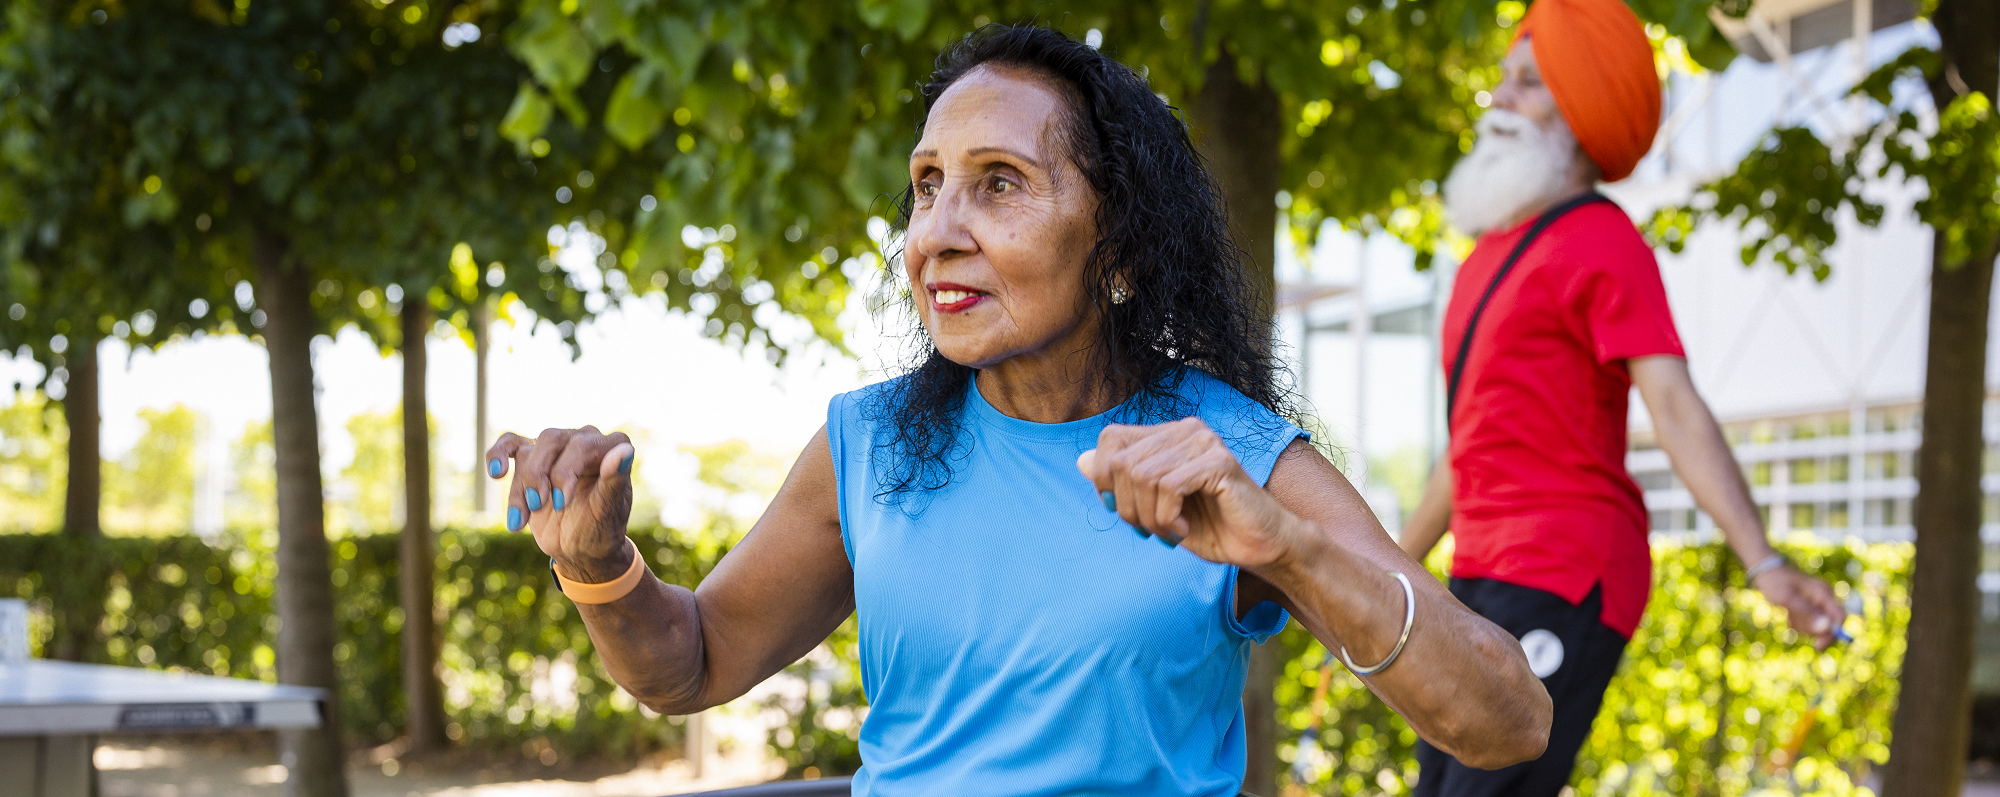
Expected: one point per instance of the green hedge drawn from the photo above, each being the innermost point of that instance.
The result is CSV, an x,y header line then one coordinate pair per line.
x,y
517,663
1691,669
512,645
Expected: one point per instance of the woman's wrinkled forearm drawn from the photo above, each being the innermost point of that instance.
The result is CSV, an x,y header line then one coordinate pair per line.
x,y
1461,681
651,643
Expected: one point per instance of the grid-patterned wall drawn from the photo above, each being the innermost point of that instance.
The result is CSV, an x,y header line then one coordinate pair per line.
x,y
1811,473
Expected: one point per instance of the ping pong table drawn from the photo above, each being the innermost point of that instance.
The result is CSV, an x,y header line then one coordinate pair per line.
x,y
52,711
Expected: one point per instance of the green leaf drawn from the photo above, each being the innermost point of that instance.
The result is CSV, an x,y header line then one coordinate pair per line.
x,y
872,172
558,53
684,46
671,43
527,117
875,13
636,112
572,107
910,17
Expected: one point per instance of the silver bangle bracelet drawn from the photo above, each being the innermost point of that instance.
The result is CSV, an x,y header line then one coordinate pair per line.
x,y
1770,563
1409,619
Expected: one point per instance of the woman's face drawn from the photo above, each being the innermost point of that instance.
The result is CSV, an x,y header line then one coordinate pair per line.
x,y
1001,224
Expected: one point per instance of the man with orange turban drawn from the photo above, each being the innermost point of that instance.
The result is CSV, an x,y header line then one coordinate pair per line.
x,y
1555,316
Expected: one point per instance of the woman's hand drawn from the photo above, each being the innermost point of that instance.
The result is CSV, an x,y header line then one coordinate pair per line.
x,y
573,488
1178,482
1809,603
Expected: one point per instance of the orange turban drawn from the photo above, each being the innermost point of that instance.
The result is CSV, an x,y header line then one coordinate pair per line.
x,y
1596,60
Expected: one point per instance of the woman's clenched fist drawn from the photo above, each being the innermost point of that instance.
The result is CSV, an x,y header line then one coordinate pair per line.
x,y
1179,482
573,489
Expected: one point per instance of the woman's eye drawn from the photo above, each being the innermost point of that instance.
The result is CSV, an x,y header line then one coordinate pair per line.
x,y
1002,185
927,189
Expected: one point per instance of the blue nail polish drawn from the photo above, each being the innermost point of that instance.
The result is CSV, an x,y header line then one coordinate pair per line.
x,y
494,467
558,496
534,500
625,465
1162,539
1110,500
1841,635
513,518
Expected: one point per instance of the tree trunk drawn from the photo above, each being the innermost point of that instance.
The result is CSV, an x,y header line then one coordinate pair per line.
x,y
422,691
1928,746
482,317
1927,749
83,494
1239,128
85,491
314,757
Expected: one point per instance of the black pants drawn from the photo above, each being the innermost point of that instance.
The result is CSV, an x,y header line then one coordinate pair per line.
x,y
1575,654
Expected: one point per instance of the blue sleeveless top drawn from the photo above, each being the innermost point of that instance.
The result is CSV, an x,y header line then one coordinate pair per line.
x,y
1017,638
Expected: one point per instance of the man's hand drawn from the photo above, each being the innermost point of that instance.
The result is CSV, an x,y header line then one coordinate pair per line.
x,y
573,488
1180,483
1809,603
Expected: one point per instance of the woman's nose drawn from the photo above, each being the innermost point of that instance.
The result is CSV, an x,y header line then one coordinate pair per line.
x,y
941,232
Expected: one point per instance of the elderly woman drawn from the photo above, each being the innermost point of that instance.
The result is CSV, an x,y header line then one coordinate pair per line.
x,y
1065,526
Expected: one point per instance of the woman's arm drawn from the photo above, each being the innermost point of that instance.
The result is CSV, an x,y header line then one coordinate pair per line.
x,y
1694,444
1428,524
1309,543
774,596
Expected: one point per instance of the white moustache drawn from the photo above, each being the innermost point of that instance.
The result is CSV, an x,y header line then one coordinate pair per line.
x,y
1515,168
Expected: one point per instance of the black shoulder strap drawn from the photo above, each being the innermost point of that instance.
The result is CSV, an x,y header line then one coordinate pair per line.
x,y
1472,324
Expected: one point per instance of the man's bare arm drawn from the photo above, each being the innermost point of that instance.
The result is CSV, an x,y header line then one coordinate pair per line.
x,y
1428,524
1701,456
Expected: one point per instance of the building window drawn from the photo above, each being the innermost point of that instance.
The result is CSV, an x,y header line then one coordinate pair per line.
x,y
1760,474
1804,471
1990,513
1885,465
1893,419
1881,512
1836,469
1805,516
1836,515
1661,520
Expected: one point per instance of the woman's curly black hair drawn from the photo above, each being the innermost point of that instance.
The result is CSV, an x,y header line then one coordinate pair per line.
x,y
1163,234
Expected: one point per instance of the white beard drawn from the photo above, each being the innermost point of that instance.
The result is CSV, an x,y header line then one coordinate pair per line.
x,y
1514,169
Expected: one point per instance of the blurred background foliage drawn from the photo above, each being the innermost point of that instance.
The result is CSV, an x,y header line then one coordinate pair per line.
x,y
34,454
1707,701
150,489
1713,690
517,665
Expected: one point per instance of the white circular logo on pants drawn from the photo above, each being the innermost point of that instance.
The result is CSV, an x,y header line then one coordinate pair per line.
x,y
1545,652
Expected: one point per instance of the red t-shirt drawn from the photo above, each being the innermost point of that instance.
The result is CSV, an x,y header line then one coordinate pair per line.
x,y
1541,497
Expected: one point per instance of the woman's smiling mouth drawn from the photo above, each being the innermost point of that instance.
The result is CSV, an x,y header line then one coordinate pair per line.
x,y
946,298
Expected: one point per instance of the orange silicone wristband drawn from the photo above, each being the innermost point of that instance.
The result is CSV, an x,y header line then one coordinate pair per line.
x,y
608,591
